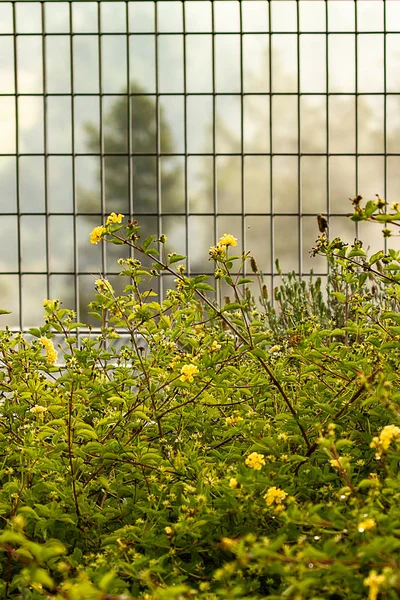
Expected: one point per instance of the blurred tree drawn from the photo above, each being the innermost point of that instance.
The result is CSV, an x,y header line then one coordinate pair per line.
x,y
144,142
144,177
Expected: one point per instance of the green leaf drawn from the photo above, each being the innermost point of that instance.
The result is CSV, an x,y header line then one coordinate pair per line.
x,y
157,266
356,252
35,332
243,280
231,306
259,353
106,580
95,315
146,243
375,257
75,326
152,251
339,295
41,576
86,434
139,414
204,286
392,315
5,312
337,332
176,258
200,278
384,218
370,207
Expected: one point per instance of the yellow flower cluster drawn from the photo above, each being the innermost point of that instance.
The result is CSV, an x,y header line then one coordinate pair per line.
x,y
227,240
255,461
382,443
51,352
216,251
374,581
114,218
233,483
187,372
103,285
335,463
365,525
97,234
37,409
274,496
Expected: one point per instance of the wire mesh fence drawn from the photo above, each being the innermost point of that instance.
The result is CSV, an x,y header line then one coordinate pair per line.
x,y
195,117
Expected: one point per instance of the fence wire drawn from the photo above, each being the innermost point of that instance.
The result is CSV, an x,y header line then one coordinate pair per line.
x,y
195,117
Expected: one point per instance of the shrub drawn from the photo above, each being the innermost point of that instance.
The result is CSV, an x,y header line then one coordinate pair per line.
x,y
227,456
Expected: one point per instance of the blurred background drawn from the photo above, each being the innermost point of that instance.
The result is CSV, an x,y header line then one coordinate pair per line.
x,y
195,117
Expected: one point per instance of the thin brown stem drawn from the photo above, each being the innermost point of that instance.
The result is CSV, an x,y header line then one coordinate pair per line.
x,y
286,399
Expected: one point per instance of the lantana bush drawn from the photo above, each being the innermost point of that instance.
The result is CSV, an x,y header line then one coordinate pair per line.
x,y
209,445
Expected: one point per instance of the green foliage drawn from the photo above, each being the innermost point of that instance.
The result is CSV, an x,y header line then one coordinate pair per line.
x,y
201,448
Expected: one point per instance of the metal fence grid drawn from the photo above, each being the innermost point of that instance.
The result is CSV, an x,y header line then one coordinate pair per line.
x,y
151,108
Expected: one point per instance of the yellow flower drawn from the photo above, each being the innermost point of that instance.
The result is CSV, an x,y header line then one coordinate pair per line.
x,y
255,461
228,543
233,420
97,234
227,240
274,495
365,525
51,352
37,409
233,483
173,362
188,371
116,311
216,251
373,581
113,218
388,433
280,508
335,463
215,346
274,349
104,285
168,530
51,304
382,443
